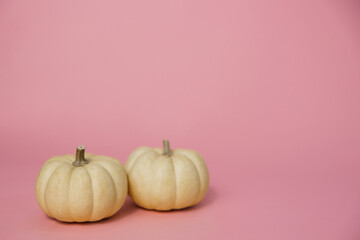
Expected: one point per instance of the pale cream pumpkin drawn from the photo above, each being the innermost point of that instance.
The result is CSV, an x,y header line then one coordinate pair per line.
x,y
81,188
162,179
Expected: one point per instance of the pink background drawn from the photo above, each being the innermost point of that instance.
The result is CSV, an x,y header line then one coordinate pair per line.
x,y
267,91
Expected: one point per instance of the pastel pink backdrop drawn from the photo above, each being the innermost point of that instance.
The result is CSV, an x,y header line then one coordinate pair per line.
x,y
267,91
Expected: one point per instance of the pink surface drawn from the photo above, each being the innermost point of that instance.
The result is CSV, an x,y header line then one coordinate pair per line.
x,y
267,91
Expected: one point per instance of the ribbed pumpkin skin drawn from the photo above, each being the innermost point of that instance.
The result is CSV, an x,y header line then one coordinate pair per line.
x,y
91,192
161,182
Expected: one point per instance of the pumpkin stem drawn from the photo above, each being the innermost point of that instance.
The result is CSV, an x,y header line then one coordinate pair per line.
x,y
166,147
80,157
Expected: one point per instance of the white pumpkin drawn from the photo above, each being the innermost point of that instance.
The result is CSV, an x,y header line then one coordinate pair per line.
x,y
162,179
82,188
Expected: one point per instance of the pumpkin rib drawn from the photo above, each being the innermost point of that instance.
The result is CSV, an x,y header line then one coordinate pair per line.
x,y
198,174
100,158
203,171
121,190
139,200
137,158
92,193
69,157
118,198
175,181
151,167
42,179
68,195
58,183
60,159
47,183
113,184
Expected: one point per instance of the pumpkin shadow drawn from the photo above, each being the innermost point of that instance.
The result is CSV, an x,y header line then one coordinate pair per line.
x,y
209,199
127,209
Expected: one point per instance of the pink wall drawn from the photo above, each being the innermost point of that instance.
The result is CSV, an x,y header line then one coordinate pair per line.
x,y
267,91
